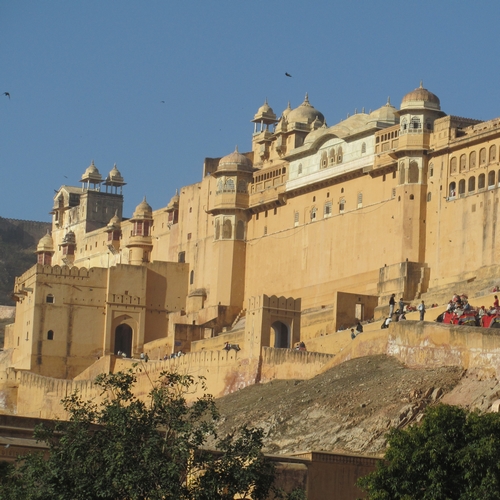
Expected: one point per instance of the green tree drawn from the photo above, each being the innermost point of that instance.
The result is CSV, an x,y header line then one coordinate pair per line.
x,y
452,454
126,448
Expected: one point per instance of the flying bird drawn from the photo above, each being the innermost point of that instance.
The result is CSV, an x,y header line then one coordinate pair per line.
x,y
7,94
163,102
288,74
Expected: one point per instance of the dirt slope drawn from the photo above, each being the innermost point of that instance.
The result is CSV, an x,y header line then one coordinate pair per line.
x,y
349,408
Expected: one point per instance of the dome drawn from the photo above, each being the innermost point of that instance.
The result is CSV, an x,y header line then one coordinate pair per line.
x,y
286,112
265,114
143,210
305,113
386,113
46,244
315,134
91,174
174,201
114,176
420,98
69,238
235,162
114,223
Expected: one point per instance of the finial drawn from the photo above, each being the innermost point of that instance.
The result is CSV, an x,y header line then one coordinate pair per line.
x,y
289,107
236,149
421,84
92,162
388,101
355,111
144,200
306,99
265,102
363,110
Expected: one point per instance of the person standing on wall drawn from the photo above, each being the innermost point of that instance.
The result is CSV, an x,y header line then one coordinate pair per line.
x,y
421,309
392,303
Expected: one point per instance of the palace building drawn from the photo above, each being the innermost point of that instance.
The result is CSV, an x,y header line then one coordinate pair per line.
x,y
312,229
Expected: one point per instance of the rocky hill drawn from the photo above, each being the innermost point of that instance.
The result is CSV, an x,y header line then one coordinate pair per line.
x,y
350,407
18,240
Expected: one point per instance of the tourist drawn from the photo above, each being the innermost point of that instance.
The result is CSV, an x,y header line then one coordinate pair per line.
x,y
392,303
401,305
359,328
421,309
353,335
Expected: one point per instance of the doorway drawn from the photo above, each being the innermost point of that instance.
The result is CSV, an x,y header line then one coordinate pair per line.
x,y
281,336
123,339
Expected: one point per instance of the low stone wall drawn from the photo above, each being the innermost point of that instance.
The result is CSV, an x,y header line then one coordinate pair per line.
x,y
291,364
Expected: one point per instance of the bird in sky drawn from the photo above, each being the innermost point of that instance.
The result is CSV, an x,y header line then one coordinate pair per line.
x,y
288,74
163,102
7,94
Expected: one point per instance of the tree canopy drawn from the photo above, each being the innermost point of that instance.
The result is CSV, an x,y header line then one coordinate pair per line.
x,y
128,448
452,454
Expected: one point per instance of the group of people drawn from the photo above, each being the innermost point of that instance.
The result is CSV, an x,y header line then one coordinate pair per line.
x,y
402,310
359,329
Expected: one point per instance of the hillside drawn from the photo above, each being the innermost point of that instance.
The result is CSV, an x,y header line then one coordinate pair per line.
x,y
18,240
351,406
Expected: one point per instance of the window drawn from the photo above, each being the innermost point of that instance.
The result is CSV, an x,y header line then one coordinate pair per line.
x,y
404,124
181,257
461,187
462,163
491,179
296,219
401,173
482,157
189,236
313,213
339,155
412,197
431,170
360,200
452,190
415,123
49,299
331,156
472,184
230,185
453,166
472,160
191,277
324,160
429,196
50,335
341,205
481,181
493,153
242,186
413,173
227,230
327,212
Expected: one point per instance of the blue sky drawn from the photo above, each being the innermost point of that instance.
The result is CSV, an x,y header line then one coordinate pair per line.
x,y
87,78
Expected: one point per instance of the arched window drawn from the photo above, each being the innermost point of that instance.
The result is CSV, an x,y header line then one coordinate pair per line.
x,y
242,186
461,187
481,181
217,229
230,185
314,210
220,186
453,166
429,196
491,179
482,157
331,156
324,160
363,148
412,197
341,205
493,153
191,277
227,230
452,190
413,173
360,200
415,123
50,335
428,125
240,230
462,163
181,257
431,170
339,155
401,173
472,184
472,160
49,299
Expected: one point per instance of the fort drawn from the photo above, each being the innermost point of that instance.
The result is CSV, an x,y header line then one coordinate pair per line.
x,y
314,228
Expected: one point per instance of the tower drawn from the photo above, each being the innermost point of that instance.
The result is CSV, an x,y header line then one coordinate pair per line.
x,y
141,243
